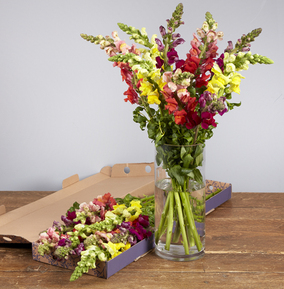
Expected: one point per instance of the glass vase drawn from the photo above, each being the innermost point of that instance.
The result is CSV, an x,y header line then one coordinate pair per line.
x,y
180,202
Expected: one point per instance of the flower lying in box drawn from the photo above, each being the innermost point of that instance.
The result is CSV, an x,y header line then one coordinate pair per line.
x,y
99,230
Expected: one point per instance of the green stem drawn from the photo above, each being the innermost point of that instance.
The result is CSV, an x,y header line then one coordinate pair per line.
x,y
176,233
170,221
196,134
147,198
190,219
160,230
146,106
181,221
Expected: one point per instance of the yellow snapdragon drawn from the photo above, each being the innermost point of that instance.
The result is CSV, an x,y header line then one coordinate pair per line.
x,y
153,97
235,82
115,248
218,81
149,86
136,208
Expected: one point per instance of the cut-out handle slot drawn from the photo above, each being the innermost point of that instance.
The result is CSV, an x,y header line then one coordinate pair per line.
x,y
132,170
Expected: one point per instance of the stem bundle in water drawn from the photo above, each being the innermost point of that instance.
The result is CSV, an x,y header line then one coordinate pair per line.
x,y
178,219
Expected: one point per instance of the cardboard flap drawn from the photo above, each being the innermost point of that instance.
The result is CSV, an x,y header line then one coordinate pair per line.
x,y
70,181
2,210
106,171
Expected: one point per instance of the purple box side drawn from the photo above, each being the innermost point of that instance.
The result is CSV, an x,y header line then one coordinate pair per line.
x,y
129,256
218,199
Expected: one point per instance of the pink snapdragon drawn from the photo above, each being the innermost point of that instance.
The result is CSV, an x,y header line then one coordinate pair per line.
x,y
50,236
211,36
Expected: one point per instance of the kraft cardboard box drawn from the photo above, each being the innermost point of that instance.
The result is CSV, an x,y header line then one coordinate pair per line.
x,y
103,269
23,225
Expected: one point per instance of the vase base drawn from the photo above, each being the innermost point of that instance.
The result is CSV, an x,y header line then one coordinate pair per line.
x,y
176,253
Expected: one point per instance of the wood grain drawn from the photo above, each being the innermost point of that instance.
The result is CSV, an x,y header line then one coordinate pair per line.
x,y
244,249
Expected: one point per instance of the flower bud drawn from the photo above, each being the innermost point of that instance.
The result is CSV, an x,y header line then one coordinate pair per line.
x,y
143,31
175,36
215,26
241,55
140,41
205,26
162,31
178,42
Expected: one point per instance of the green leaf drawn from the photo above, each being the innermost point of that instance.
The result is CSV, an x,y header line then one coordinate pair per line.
x,y
198,151
74,207
176,172
232,105
198,160
159,155
158,137
182,152
187,160
198,176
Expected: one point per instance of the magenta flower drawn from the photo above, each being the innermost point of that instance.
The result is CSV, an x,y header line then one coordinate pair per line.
x,y
143,220
206,96
160,62
172,56
79,249
161,46
179,63
139,227
177,42
62,242
207,119
220,62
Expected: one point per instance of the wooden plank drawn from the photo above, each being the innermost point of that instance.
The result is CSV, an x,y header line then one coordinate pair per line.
x,y
237,225
245,242
20,260
255,200
248,213
152,280
13,200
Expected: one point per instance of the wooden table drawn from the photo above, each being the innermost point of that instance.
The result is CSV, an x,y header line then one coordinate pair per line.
x,y
244,249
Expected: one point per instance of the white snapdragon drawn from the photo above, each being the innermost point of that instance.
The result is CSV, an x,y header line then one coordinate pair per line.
x,y
228,58
230,67
205,26
215,26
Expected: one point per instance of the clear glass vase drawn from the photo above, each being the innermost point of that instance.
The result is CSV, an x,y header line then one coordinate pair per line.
x,y
180,202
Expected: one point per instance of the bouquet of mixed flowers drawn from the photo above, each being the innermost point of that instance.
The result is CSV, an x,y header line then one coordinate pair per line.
x,y
177,100
99,230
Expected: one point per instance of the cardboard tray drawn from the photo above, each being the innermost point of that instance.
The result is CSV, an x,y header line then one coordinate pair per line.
x,y
24,224
103,269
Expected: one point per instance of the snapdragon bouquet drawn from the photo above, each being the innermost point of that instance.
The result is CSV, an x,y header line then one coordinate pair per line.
x,y
99,230
177,101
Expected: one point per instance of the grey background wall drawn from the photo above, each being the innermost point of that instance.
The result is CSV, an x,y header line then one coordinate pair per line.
x,y
61,102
